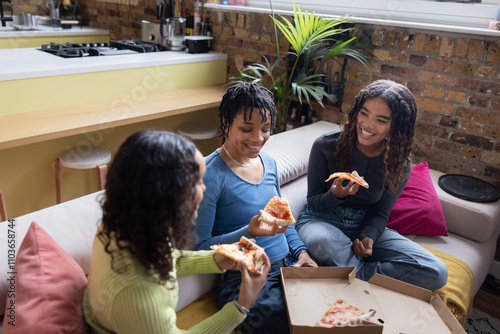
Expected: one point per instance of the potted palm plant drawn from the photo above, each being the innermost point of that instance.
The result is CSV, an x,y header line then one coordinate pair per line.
x,y
313,40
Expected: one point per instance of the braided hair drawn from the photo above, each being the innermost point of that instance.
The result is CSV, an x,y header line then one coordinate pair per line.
x,y
149,200
399,143
244,97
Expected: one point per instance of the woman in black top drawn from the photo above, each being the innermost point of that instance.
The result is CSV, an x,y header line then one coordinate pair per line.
x,y
345,225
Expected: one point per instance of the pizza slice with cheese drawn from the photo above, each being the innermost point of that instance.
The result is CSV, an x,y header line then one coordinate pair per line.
x,y
342,313
244,251
354,176
277,210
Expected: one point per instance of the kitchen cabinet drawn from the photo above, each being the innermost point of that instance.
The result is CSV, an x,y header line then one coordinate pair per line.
x,y
36,83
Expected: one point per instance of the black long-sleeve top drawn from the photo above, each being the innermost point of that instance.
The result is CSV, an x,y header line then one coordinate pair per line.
x,y
376,199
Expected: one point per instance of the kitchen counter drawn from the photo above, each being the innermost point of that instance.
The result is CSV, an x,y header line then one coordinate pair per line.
x,y
11,38
50,104
28,63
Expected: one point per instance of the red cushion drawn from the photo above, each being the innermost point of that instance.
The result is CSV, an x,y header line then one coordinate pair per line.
x,y
418,210
48,291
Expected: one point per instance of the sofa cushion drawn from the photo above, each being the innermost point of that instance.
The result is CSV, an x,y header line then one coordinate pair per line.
x,y
418,210
292,160
48,288
71,224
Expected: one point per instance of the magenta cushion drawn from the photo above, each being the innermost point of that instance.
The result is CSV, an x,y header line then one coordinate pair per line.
x,y
48,291
418,210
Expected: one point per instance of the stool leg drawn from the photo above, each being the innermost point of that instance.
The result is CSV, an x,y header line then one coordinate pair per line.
x,y
102,170
3,207
57,169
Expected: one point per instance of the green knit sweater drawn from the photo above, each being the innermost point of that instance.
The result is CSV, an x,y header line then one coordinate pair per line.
x,y
132,301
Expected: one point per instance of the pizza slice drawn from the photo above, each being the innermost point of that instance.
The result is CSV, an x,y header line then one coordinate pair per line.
x,y
354,176
277,209
342,313
245,251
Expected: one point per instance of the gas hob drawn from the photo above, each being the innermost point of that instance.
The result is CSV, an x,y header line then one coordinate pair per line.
x,y
111,48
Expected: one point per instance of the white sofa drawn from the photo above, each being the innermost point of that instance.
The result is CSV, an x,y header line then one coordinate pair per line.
x,y
473,227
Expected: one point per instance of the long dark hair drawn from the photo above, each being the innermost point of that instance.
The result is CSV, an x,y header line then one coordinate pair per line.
x,y
243,97
399,144
149,200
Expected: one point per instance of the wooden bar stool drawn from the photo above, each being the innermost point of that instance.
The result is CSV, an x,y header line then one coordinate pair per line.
x,y
3,207
199,131
93,157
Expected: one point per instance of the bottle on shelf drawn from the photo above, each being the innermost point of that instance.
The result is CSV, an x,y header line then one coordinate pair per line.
x,y
197,18
292,120
207,29
304,114
334,89
320,88
189,25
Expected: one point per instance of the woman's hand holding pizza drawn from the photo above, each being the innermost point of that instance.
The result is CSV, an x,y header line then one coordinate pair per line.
x,y
305,260
340,191
363,248
252,284
257,228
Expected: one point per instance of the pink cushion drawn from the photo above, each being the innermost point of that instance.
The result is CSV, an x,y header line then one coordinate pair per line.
x,y
48,291
418,209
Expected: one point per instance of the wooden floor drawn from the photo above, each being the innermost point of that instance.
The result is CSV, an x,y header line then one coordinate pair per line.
x,y
488,303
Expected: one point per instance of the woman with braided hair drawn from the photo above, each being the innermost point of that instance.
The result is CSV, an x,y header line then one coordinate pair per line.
x,y
345,225
240,180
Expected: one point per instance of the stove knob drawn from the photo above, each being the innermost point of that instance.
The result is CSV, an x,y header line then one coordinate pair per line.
x,y
151,37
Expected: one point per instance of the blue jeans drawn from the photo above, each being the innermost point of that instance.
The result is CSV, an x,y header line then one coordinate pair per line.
x,y
269,314
329,236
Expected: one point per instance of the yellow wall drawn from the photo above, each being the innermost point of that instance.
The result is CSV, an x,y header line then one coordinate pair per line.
x,y
123,86
27,173
36,42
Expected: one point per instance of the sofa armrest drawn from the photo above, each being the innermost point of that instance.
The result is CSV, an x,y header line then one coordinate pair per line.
x,y
472,220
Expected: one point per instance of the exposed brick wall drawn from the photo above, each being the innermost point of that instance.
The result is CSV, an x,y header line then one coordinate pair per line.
x,y
455,80
454,77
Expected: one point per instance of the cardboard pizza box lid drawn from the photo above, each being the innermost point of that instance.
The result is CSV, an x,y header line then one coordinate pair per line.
x,y
400,307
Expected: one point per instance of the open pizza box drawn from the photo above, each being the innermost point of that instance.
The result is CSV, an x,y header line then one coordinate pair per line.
x,y
400,307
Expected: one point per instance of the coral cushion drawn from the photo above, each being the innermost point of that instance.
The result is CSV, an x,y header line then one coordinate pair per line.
x,y
418,209
48,290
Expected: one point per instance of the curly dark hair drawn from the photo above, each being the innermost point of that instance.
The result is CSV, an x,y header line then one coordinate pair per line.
x,y
149,199
243,97
399,144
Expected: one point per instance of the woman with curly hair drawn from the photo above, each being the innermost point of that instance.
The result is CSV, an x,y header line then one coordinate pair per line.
x,y
345,225
153,190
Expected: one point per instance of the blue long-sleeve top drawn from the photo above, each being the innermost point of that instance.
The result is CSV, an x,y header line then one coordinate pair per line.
x,y
229,203
376,199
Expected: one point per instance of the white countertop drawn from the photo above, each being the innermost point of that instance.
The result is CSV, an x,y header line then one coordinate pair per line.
x,y
10,32
25,63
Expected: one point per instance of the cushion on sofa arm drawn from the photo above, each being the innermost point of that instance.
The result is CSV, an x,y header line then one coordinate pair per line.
x,y
418,210
46,288
71,224
472,220
291,149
